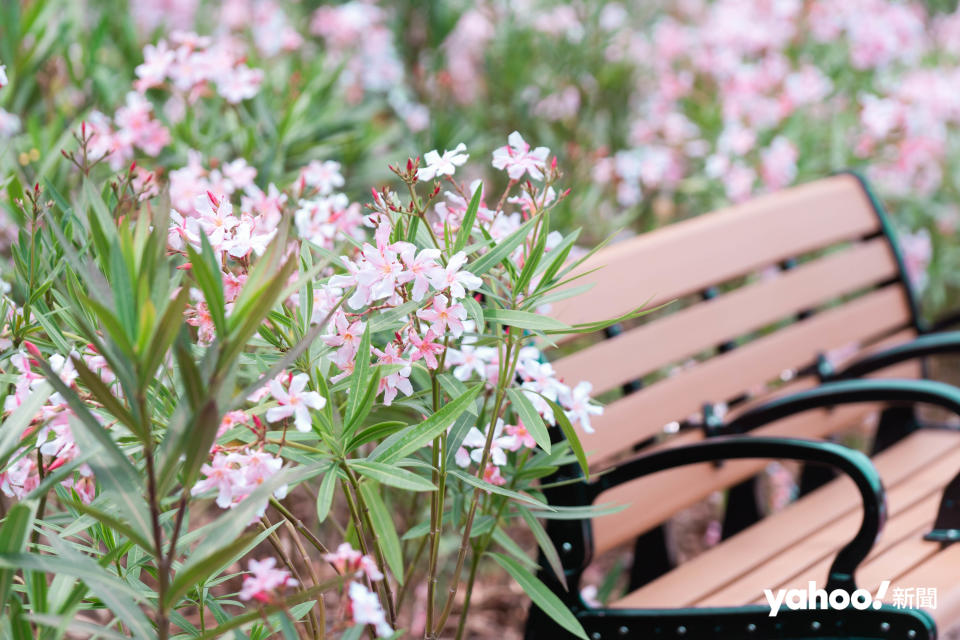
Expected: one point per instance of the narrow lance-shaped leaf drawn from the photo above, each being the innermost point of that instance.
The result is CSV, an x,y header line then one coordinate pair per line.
x,y
391,475
531,418
525,320
325,494
541,595
403,443
13,539
382,523
466,226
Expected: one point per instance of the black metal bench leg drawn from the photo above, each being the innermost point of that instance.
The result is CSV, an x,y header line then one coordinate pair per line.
x,y
895,424
812,477
651,558
742,508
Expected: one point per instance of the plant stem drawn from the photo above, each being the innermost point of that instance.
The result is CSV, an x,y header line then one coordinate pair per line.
x,y
507,367
275,542
474,563
364,512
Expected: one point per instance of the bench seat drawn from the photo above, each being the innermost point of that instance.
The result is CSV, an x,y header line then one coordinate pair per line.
x,y
796,545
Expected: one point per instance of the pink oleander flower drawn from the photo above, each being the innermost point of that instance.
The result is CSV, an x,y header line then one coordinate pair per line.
x,y
444,165
492,475
365,609
3,76
325,177
349,561
425,347
517,437
420,268
247,238
198,315
579,408
216,218
240,83
294,401
347,338
264,580
516,158
230,420
453,278
779,163
444,317
397,381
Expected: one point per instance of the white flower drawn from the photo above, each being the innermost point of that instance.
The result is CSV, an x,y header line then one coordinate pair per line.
x,y
3,76
444,165
516,158
295,401
366,609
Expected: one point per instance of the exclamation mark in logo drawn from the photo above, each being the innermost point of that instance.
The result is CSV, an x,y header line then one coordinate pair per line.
x,y
882,591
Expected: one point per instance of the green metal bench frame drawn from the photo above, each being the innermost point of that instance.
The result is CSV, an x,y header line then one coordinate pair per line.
x,y
573,538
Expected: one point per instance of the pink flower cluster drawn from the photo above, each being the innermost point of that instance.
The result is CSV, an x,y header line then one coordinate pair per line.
x,y
351,563
236,474
132,127
358,36
195,64
267,21
55,444
264,581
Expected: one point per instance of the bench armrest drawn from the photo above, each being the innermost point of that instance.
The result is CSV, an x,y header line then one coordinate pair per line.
x,y
928,345
830,394
849,461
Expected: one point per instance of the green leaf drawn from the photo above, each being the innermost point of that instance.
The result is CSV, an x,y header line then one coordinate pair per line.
x,y
571,435
546,545
503,539
375,432
579,513
492,488
548,601
171,322
382,523
525,320
104,585
466,226
110,402
200,569
122,287
502,249
531,419
114,524
325,493
206,271
360,376
391,475
403,443
475,311
13,539
13,427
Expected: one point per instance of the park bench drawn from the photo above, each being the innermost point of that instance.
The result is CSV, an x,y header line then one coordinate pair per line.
x,y
795,314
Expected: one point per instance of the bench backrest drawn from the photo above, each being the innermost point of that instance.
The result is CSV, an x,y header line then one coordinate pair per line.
x,y
759,291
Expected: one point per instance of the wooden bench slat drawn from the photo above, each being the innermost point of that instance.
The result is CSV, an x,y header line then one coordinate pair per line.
x,y
688,485
688,256
689,331
817,550
939,572
711,570
641,415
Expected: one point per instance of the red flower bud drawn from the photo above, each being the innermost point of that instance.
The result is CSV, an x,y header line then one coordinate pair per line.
x,y
32,348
